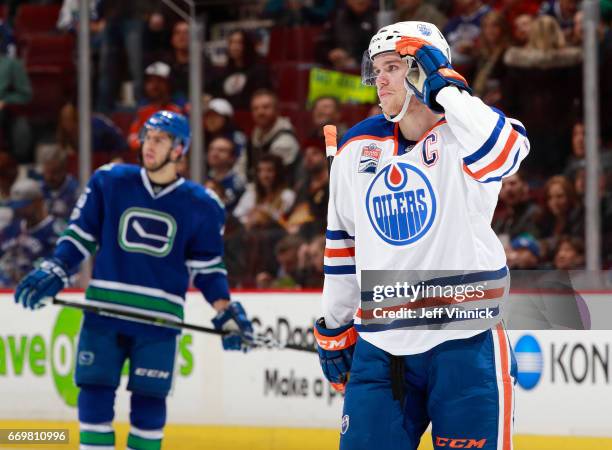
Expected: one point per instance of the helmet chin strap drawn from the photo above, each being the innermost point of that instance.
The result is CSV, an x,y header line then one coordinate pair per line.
x,y
402,112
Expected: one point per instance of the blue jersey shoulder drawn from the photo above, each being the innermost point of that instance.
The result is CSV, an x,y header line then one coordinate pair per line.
x,y
372,126
117,171
203,196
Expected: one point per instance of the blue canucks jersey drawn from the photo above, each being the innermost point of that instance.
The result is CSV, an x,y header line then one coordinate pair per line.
x,y
148,244
22,248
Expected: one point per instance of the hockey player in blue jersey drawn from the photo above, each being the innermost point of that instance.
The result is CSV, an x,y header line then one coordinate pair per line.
x,y
151,231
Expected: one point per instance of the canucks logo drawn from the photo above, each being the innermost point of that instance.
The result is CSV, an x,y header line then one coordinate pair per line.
x,y
146,231
401,204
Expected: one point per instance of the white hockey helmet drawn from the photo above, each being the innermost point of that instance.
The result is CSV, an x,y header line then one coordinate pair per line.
x,y
384,41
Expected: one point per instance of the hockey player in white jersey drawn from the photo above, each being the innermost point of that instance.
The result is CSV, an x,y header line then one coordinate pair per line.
x,y
414,189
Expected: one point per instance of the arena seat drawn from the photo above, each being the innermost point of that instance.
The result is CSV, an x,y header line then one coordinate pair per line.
x,y
293,43
292,81
53,50
33,18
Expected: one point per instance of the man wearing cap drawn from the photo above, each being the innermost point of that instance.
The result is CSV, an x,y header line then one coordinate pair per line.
x,y
157,98
218,121
31,235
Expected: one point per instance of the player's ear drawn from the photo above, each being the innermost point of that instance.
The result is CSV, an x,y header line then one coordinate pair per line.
x,y
177,152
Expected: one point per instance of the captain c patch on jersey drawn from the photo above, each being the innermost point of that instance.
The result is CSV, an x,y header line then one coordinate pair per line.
x,y
401,204
370,155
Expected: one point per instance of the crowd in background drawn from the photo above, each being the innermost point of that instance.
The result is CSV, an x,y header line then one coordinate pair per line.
x,y
264,152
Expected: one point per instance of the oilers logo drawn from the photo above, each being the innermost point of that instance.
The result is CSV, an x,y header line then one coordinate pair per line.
x,y
401,204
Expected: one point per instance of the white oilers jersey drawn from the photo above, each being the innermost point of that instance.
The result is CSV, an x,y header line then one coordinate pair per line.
x,y
424,206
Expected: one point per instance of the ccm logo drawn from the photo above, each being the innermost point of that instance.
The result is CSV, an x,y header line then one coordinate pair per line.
x,y
331,344
460,443
151,373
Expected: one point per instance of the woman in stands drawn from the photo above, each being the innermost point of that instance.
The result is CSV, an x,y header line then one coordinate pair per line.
x,y
244,73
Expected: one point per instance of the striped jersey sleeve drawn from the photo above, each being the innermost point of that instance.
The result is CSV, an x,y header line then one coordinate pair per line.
x,y
81,238
492,146
340,289
205,258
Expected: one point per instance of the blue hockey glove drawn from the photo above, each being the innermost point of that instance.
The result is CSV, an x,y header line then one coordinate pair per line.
x,y
41,283
240,330
431,73
335,347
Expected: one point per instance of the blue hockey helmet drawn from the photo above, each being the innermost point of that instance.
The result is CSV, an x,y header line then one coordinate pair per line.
x,y
175,124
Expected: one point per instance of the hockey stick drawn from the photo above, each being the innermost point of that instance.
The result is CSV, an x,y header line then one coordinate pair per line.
x,y
259,341
331,145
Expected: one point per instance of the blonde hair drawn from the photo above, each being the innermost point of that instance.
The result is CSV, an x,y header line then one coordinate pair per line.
x,y
545,34
497,19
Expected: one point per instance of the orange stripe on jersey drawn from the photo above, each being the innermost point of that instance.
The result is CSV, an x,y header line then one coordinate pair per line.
x,y
498,162
363,137
340,252
507,383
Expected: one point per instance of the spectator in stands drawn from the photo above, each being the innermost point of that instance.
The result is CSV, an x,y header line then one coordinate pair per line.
x,y
524,253
177,57
563,213
490,67
309,213
8,174
267,200
125,23
347,35
179,60
462,32
577,164
31,236
419,10
218,120
60,189
221,159
563,12
569,254
272,134
15,90
326,111
244,73
519,212
541,86
510,10
521,29
298,12
105,135
288,273
157,98
311,258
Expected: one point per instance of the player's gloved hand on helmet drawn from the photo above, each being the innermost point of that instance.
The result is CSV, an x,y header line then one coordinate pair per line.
x,y
429,70
44,282
335,347
239,328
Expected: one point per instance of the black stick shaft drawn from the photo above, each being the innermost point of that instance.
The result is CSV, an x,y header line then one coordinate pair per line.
x,y
130,315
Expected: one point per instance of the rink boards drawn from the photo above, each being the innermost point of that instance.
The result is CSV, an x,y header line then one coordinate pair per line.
x,y
271,399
